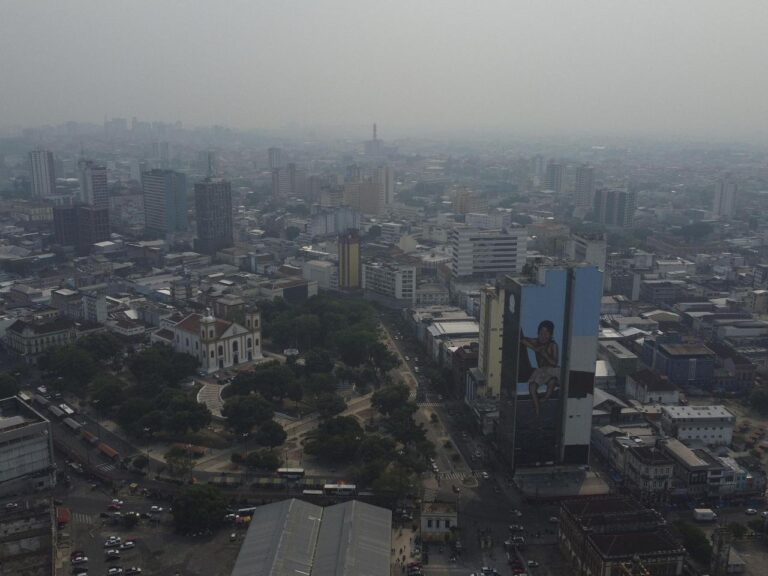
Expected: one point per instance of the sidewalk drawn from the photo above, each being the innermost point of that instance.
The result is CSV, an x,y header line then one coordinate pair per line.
x,y
403,547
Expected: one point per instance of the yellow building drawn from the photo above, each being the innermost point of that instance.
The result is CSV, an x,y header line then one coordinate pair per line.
x,y
349,260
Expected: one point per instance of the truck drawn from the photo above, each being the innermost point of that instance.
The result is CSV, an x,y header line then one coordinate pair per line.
x,y
704,515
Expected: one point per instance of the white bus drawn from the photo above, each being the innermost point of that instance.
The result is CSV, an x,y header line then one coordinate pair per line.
x,y
339,489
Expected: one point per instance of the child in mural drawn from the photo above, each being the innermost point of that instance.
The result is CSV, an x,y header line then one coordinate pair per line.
x,y
547,371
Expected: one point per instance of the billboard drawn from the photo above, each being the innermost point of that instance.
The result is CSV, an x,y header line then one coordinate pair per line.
x,y
548,362
535,345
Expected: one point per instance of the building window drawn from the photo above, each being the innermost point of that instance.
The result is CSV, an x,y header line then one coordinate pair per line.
x,y
211,353
429,523
221,350
210,333
249,343
447,523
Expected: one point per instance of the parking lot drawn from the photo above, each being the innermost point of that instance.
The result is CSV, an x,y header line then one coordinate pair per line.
x,y
157,549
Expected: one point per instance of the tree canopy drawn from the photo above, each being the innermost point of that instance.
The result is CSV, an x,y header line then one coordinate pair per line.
x,y
245,412
199,507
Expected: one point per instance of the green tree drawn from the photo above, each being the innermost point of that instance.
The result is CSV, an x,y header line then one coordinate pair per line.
x,y
72,367
389,398
396,480
335,440
329,404
270,434
738,530
353,344
8,385
382,358
104,347
140,462
160,363
292,232
758,399
270,460
184,414
131,412
695,541
179,464
199,507
317,360
245,412
107,391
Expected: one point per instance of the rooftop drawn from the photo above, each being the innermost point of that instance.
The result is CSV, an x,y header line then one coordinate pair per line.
x,y
703,412
643,544
295,537
686,350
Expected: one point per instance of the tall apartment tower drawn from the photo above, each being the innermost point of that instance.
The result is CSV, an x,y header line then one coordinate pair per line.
x,y
93,184
490,339
725,195
554,177
549,349
213,212
384,179
350,271
165,202
276,158
43,173
584,191
615,207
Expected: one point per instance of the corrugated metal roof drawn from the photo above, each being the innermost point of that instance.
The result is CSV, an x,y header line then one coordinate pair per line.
x,y
354,541
280,540
293,537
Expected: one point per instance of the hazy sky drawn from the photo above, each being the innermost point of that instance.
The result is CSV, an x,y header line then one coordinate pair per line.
x,y
683,68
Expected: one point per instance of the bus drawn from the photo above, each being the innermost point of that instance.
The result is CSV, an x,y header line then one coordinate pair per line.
x,y
88,437
291,473
339,489
25,397
67,410
108,451
56,411
312,492
72,425
42,400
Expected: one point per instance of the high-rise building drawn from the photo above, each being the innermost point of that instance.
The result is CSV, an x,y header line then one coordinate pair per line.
x,y
374,147
350,273
276,158
93,184
43,173
554,177
490,339
165,202
80,226
289,181
725,195
614,207
482,252
549,349
384,178
213,213
584,191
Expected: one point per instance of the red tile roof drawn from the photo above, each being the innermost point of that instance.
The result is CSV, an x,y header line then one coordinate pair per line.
x,y
192,323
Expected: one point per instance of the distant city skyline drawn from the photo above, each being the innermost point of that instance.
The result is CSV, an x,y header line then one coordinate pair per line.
x,y
682,70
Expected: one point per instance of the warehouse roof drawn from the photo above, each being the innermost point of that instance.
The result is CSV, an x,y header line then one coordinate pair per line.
x,y
294,537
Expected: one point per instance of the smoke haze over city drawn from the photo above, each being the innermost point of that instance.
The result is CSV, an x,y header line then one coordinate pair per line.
x,y
686,69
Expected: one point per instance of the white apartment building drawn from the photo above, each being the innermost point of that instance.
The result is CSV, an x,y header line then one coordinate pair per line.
x,y
589,248
708,424
43,173
487,252
495,220
393,281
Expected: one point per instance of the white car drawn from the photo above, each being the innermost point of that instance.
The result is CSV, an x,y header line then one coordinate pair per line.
x,y
750,511
485,475
554,519
127,545
156,509
79,560
114,571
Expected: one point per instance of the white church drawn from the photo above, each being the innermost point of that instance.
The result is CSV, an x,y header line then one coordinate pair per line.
x,y
217,343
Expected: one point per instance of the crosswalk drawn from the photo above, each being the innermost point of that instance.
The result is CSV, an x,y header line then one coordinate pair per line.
x,y
82,518
106,467
431,404
460,475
